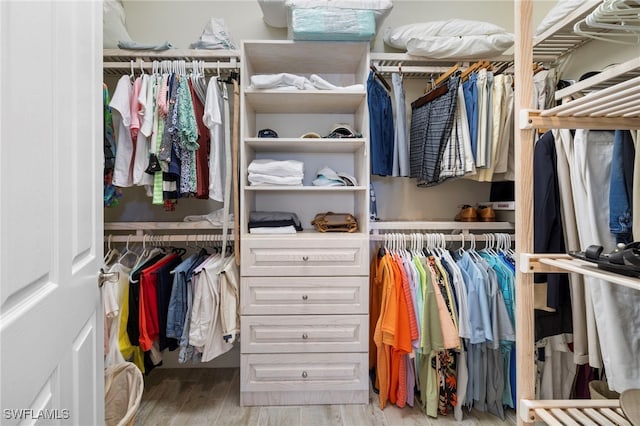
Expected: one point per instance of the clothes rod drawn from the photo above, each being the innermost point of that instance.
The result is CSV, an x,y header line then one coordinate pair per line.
x,y
447,237
167,238
149,65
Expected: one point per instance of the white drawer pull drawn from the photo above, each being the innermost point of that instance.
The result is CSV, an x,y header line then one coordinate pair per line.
x,y
305,258
304,374
305,297
305,336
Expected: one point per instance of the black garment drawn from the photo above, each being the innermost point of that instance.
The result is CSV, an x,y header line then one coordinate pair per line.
x,y
133,322
164,283
549,238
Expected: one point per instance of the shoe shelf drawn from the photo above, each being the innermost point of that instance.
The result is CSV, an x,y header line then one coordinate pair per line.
x,y
305,144
444,225
549,263
573,412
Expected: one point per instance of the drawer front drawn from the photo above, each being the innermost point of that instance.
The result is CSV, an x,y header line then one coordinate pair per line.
x,y
303,372
308,333
304,295
305,256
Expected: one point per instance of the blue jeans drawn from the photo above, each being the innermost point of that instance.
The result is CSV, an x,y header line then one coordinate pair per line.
x,y
621,187
381,131
471,103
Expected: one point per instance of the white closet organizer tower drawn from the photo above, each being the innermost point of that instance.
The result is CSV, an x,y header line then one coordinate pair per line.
x,y
304,296
613,106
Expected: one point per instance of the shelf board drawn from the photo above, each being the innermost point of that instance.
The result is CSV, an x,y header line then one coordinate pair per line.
x,y
440,225
563,411
607,78
534,119
307,233
305,145
560,39
159,226
534,262
305,101
307,188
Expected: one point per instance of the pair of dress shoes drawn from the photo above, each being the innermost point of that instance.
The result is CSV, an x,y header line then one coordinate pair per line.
x,y
472,214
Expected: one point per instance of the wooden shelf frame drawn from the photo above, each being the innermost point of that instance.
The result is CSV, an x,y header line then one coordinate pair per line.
x,y
601,109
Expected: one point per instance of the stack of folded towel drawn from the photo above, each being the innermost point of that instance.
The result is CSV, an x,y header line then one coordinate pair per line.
x,y
276,172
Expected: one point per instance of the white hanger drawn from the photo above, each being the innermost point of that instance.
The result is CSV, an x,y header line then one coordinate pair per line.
x,y
111,252
620,17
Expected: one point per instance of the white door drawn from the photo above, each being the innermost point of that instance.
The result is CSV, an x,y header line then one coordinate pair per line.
x,y
51,212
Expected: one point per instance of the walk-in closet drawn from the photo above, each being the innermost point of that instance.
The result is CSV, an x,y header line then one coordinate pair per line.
x,y
312,212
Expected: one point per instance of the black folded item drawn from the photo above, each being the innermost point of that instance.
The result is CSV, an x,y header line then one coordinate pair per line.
x,y
624,260
274,219
272,224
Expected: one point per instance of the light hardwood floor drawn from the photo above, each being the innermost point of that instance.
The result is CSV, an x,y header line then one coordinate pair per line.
x,y
208,396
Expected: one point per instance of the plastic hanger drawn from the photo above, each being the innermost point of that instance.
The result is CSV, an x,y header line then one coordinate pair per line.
x,y
112,252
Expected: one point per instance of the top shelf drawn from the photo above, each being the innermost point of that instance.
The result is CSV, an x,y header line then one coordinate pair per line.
x,y
560,39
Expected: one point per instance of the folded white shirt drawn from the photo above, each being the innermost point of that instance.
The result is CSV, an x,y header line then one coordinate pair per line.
x,y
322,84
286,81
282,168
256,179
274,230
272,81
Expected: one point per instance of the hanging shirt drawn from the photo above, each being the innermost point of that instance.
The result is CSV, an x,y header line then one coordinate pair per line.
x,y
213,119
121,105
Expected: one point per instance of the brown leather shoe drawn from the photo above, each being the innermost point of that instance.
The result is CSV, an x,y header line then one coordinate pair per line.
x,y
467,214
486,214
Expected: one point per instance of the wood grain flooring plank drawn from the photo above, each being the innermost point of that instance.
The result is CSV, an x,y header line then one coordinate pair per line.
x,y
208,396
166,403
232,414
321,415
360,415
279,416
407,416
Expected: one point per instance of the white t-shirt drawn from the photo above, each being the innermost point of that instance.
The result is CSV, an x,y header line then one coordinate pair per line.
x,y
121,107
214,121
141,160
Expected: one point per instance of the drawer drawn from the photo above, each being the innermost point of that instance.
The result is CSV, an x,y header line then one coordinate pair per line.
x,y
303,256
304,333
304,295
304,372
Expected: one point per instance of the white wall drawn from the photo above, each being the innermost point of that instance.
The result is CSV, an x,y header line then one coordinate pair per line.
x,y
181,23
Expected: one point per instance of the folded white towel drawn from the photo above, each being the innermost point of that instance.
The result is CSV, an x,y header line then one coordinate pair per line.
x,y
256,179
282,168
